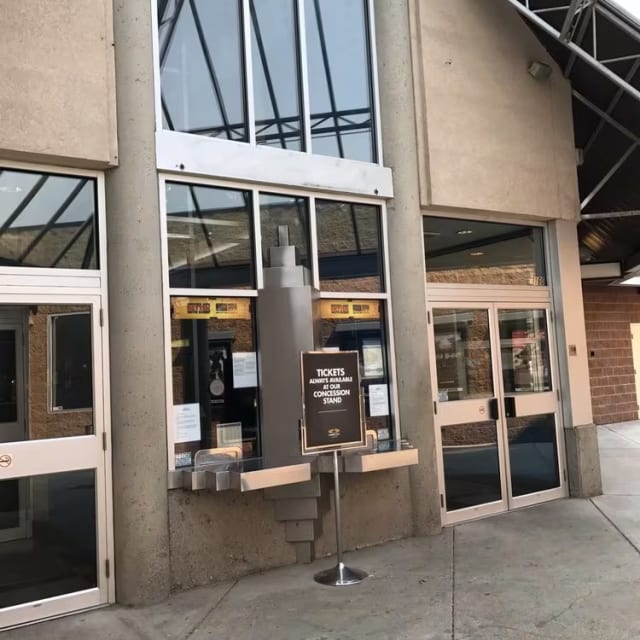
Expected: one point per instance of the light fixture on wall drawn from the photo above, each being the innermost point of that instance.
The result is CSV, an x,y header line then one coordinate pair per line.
x,y
630,279
539,70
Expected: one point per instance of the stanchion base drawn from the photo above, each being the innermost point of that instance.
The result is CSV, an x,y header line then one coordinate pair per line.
x,y
340,576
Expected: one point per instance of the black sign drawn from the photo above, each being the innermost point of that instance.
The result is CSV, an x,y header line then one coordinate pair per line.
x,y
331,401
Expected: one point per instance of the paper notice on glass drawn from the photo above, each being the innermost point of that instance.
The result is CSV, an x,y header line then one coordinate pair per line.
x,y
245,370
378,400
186,420
372,359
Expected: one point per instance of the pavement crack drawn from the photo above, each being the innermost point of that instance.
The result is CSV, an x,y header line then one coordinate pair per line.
x,y
211,610
615,526
570,606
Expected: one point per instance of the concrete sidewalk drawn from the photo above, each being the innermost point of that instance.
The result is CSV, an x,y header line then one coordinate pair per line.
x,y
568,569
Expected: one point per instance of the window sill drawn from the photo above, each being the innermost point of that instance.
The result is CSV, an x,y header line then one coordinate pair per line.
x,y
367,461
232,476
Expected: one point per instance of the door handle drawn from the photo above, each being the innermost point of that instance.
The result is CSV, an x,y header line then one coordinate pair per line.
x,y
510,407
493,409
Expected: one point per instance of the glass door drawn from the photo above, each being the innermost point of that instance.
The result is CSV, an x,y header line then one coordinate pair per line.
x,y
53,513
529,404
495,406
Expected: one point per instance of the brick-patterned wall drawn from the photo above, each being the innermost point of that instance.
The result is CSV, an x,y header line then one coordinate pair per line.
x,y
608,313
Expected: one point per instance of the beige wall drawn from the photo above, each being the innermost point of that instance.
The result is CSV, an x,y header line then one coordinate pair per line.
x,y
220,536
490,137
57,88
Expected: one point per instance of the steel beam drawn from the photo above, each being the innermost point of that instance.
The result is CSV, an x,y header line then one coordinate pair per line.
x,y
573,47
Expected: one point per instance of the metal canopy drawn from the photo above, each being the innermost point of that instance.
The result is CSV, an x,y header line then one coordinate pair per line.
x,y
597,46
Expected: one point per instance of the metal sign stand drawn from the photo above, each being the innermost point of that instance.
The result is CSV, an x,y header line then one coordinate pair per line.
x,y
340,575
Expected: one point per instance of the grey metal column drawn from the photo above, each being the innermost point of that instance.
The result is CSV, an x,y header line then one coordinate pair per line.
x,y
136,322
406,255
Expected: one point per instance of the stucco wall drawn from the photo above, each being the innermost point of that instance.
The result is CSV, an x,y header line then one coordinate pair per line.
x,y
490,137
57,91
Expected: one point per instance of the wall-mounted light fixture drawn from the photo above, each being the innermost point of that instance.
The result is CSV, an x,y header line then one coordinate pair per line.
x,y
539,70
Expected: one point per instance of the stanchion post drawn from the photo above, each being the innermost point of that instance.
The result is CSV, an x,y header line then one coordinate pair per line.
x,y
340,575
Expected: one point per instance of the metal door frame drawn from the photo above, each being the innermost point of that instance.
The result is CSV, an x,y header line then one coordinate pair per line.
x,y
39,457
484,298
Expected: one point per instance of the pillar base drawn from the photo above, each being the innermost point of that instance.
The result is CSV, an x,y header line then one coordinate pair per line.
x,y
583,460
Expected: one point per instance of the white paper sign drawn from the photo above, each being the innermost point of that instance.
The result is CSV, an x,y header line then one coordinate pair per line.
x,y
186,419
378,400
245,370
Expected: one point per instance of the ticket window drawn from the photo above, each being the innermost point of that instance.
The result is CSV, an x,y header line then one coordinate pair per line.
x,y
360,325
215,378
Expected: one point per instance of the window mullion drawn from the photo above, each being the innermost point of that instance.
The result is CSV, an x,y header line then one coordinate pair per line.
x,y
375,88
257,238
248,71
313,232
304,77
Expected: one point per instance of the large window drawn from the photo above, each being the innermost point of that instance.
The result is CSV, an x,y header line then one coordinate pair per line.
x,y
301,80
210,238
218,242
459,251
48,220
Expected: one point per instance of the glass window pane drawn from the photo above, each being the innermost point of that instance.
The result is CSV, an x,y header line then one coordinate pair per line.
x,y
533,454
463,354
360,325
49,368
276,86
339,72
47,536
472,252
349,246
471,464
289,211
215,376
525,350
47,220
71,371
202,67
209,236
8,374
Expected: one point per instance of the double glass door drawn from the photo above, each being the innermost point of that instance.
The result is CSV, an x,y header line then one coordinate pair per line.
x,y
53,473
496,407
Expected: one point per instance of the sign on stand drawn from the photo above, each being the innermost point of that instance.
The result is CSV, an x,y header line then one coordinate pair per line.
x,y
332,421
332,410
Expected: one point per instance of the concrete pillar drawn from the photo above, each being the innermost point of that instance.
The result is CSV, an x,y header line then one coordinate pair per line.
x,y
136,323
406,256
581,441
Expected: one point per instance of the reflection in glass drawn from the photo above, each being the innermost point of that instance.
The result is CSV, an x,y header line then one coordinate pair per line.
x,y
52,363
289,211
209,235
47,536
276,84
471,464
349,246
71,370
339,72
202,67
214,367
463,354
472,252
47,220
524,347
533,454
8,376
360,325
